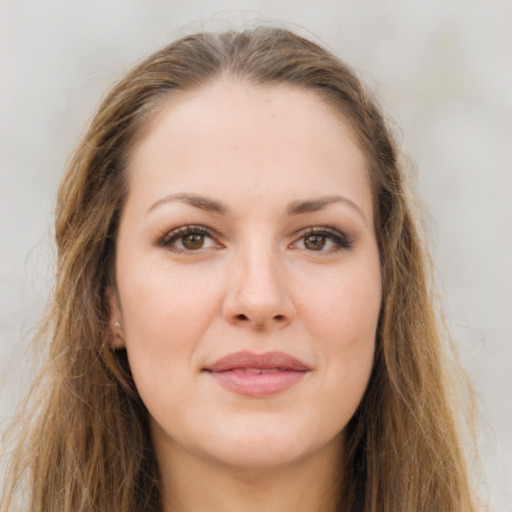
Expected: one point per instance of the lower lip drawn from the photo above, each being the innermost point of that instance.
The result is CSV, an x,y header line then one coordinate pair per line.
x,y
258,384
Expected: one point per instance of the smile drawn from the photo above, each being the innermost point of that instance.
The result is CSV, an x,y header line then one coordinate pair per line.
x,y
258,375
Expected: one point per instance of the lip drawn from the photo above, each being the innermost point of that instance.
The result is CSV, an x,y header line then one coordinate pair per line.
x,y
258,375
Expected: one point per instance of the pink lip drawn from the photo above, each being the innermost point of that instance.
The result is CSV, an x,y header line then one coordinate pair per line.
x,y
258,375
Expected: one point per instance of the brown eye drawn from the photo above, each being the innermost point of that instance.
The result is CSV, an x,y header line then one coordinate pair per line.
x,y
315,242
193,241
189,239
323,239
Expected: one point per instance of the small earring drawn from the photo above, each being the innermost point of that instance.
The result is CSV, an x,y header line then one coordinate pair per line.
x,y
117,325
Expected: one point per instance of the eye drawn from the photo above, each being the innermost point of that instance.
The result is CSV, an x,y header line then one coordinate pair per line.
x,y
323,239
188,239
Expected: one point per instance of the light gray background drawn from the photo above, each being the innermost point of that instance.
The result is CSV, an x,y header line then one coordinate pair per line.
x,y
443,70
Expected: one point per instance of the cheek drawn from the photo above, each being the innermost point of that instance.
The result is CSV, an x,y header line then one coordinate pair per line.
x,y
165,317
342,319
346,305
161,299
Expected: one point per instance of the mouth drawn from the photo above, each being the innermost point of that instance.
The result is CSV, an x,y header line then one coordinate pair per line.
x,y
258,375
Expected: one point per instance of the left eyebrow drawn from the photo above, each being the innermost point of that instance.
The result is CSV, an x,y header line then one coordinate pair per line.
x,y
314,205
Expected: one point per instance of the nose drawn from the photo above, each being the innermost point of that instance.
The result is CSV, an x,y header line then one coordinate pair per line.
x,y
257,296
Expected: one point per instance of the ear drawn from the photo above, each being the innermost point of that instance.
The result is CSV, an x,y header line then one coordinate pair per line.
x,y
115,320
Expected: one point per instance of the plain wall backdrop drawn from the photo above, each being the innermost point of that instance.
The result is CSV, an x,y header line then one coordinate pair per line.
x,y
443,70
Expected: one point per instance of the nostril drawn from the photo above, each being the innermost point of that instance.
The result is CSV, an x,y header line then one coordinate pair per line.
x,y
243,318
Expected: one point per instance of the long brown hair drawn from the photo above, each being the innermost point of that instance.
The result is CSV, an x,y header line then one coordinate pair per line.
x,y
83,439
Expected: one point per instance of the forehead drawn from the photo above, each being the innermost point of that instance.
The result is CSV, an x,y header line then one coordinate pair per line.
x,y
232,134
240,103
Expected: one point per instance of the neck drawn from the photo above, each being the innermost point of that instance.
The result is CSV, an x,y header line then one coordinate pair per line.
x,y
192,484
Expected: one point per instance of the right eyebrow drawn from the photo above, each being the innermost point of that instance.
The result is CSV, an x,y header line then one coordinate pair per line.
x,y
196,200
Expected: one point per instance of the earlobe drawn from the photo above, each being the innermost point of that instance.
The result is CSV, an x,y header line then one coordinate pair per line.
x,y
115,321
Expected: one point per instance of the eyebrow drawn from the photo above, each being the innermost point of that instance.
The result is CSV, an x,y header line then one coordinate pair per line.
x,y
314,205
196,200
294,208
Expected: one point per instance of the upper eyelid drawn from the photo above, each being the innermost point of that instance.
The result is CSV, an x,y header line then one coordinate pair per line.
x,y
189,228
344,241
326,229
321,230
167,235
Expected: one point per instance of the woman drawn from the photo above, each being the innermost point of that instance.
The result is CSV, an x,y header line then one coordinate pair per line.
x,y
242,316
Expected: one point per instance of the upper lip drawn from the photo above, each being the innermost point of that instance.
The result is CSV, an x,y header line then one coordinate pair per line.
x,y
267,360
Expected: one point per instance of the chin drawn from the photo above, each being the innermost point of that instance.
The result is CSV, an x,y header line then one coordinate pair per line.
x,y
267,448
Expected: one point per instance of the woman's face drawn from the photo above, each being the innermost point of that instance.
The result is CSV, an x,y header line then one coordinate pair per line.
x,y
248,278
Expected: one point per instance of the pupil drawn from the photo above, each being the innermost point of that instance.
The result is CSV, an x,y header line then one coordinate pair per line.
x,y
315,242
193,241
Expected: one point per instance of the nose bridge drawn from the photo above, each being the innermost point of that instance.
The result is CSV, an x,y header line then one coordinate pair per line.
x,y
260,276
257,292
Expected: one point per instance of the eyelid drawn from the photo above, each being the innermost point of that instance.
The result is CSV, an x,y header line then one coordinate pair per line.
x,y
342,241
169,236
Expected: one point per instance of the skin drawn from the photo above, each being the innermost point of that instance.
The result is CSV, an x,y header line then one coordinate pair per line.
x,y
257,281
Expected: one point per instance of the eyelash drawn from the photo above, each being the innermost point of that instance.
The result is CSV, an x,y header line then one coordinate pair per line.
x,y
168,238
339,239
171,237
